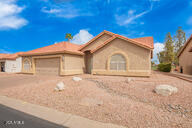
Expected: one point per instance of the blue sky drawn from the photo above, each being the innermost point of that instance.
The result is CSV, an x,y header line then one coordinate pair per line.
x,y
30,24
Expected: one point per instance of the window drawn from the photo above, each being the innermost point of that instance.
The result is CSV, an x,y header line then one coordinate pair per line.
x,y
118,62
26,65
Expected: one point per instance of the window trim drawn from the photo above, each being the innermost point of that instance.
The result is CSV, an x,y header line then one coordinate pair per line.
x,y
27,60
126,61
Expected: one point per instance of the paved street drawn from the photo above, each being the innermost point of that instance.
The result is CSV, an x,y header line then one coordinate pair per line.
x,y
10,118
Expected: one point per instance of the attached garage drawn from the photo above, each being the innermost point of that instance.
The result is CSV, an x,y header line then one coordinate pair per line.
x,y
47,66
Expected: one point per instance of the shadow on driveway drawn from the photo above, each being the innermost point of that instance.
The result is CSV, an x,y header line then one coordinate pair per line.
x,y
11,118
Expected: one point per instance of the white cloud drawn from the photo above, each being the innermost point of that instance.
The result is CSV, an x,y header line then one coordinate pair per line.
x,y
82,37
9,15
158,47
66,10
51,11
130,12
131,16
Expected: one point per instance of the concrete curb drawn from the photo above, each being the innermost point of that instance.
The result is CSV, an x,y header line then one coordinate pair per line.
x,y
52,115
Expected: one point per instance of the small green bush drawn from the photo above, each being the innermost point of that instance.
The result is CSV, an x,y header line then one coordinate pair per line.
x,y
164,67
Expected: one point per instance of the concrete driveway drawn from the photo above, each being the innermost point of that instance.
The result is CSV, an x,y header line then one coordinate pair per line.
x,y
11,80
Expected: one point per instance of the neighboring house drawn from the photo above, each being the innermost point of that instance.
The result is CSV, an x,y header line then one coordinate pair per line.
x,y
105,54
11,63
2,62
185,58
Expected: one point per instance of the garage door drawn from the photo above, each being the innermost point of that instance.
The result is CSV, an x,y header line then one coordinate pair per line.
x,y
48,66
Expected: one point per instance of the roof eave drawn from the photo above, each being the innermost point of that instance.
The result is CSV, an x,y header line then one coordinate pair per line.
x,y
123,38
8,58
49,53
135,42
96,37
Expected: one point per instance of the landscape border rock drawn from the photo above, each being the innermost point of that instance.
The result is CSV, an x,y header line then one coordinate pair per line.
x,y
76,78
128,80
165,90
60,86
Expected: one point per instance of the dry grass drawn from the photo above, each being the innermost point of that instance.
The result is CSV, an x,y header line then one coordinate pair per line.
x,y
131,104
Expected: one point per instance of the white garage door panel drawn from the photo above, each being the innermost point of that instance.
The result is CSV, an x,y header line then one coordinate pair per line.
x,y
48,66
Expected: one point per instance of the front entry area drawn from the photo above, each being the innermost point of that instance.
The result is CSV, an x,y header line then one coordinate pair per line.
x,y
2,66
47,66
88,62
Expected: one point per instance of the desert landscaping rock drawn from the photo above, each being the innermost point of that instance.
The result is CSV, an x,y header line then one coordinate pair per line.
x,y
165,90
128,80
60,86
77,78
90,102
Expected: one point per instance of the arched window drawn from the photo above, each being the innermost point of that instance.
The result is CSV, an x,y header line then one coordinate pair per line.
x,y
26,65
118,62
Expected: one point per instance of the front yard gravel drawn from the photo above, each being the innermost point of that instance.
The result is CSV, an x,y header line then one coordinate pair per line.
x,y
133,104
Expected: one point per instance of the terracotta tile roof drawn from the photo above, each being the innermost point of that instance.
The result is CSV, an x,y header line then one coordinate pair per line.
x,y
10,56
62,47
185,45
14,56
3,55
144,41
148,41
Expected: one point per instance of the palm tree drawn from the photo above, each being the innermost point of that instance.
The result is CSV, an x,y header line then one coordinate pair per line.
x,y
68,36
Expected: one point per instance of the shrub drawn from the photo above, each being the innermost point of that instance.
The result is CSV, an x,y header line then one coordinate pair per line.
x,y
164,67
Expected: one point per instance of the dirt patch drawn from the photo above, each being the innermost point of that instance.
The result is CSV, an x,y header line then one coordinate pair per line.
x,y
132,104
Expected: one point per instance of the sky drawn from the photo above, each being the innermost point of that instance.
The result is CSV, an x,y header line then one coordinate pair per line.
x,y
30,24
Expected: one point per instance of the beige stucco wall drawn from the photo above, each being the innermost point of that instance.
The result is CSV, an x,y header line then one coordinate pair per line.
x,y
73,64
97,42
138,59
185,59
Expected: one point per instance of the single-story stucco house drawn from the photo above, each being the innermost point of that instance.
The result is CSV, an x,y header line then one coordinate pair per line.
x,y
185,58
105,54
11,63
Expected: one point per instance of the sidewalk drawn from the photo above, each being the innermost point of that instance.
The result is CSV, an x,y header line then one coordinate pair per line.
x,y
182,76
52,115
178,75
